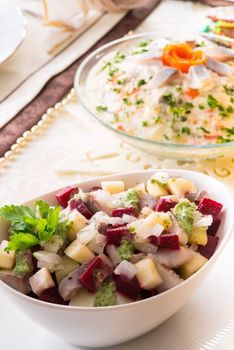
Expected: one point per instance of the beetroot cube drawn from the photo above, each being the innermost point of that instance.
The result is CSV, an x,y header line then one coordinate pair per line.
x,y
95,273
115,234
212,230
169,241
208,250
154,240
52,296
145,293
208,206
165,205
65,194
127,287
121,211
81,207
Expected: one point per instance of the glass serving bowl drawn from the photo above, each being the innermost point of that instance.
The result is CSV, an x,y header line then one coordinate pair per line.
x,y
159,149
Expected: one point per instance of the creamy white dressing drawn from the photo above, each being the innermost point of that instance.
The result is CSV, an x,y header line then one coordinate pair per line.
x,y
124,94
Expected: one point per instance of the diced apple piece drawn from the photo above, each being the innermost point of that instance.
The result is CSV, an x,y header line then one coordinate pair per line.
x,y
41,281
147,274
198,236
68,266
7,259
65,194
160,218
208,250
79,252
83,298
180,186
192,266
208,206
155,189
76,222
113,186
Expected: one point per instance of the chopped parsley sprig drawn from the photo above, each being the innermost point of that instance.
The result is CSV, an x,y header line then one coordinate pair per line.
x,y
29,227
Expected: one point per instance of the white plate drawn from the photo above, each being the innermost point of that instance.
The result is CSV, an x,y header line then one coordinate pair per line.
x,y
12,28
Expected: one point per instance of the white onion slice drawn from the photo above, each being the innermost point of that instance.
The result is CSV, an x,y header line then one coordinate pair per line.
x,y
127,269
49,260
204,221
113,254
87,234
156,230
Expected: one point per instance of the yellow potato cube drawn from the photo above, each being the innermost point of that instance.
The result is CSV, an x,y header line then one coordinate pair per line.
x,y
7,259
180,186
79,252
192,266
77,221
160,218
68,266
155,189
113,186
83,298
198,236
147,274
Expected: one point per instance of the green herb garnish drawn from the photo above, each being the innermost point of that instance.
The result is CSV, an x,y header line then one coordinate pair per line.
x,y
125,250
186,130
204,130
184,212
141,82
101,108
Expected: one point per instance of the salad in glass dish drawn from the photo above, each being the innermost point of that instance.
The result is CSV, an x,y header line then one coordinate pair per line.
x,y
110,245
167,91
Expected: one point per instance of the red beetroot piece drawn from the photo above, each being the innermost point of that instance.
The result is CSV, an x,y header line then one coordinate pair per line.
x,y
81,207
127,287
212,230
208,206
115,234
121,211
169,241
148,293
208,250
164,205
65,194
52,296
95,273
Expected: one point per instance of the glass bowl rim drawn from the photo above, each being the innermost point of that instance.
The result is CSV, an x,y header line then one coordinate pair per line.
x,y
123,134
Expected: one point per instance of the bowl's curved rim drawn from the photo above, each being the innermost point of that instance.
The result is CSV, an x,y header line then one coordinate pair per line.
x,y
220,248
120,133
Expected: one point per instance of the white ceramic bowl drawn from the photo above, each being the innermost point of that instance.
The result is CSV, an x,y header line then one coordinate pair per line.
x,y
105,326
